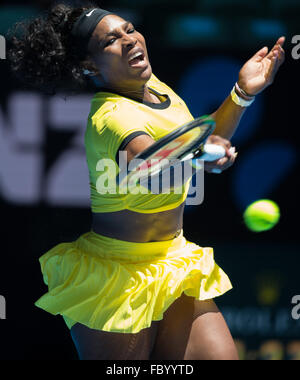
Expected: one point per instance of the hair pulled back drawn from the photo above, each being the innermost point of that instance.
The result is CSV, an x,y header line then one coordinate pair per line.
x,y
43,55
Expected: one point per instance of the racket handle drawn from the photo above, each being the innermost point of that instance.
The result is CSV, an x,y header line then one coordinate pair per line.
x,y
212,152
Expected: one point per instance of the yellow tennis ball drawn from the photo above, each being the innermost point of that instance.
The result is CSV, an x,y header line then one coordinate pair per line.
x,y
262,215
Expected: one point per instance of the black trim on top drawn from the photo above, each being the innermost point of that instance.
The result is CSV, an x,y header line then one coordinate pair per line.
x,y
160,106
127,140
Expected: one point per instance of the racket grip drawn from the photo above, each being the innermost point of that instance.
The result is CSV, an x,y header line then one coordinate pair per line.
x,y
212,152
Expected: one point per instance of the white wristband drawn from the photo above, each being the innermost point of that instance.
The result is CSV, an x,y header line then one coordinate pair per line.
x,y
240,101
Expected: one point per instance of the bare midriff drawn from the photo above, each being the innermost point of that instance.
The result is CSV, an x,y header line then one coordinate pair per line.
x,y
139,227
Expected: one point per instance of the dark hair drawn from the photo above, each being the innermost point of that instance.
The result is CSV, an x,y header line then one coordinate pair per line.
x,y
43,55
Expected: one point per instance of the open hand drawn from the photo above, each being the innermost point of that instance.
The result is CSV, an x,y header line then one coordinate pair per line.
x,y
259,72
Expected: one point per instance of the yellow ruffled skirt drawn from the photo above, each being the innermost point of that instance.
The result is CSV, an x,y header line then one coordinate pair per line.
x,y
119,286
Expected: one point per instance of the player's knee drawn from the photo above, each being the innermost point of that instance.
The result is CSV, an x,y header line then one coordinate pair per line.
x,y
225,352
215,351
228,353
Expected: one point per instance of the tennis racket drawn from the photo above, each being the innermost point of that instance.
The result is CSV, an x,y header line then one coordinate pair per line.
x,y
184,143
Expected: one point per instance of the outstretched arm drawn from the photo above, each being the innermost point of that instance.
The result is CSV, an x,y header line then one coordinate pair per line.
x,y
257,74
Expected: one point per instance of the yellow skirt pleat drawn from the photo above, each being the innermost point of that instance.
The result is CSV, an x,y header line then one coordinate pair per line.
x,y
119,286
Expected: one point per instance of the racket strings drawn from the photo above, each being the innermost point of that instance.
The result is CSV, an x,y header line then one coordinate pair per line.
x,y
172,149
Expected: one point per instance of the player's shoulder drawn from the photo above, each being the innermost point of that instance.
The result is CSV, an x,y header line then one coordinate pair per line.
x,y
159,85
163,88
118,113
112,106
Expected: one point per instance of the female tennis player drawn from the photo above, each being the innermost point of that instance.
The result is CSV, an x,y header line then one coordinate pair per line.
x,y
132,287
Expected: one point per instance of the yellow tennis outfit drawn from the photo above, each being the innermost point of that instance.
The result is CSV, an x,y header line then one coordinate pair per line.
x,y
119,286
115,118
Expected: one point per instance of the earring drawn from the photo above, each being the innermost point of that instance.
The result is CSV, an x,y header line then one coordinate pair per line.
x,y
88,72
93,77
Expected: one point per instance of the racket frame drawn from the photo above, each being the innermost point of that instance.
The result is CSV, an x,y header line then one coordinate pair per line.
x,y
193,151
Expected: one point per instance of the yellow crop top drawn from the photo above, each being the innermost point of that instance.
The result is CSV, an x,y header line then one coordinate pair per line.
x,y
114,119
